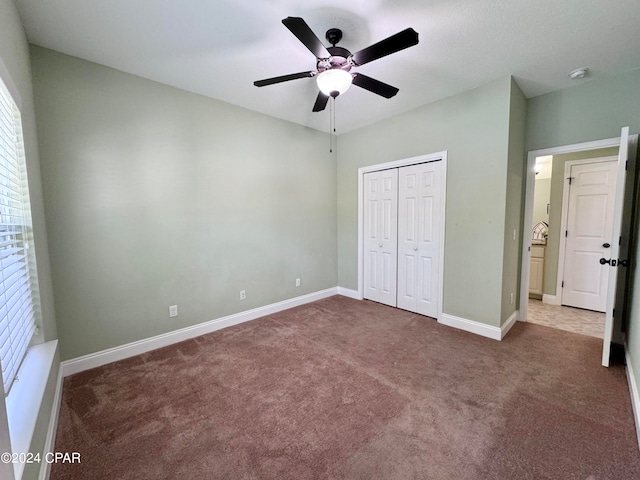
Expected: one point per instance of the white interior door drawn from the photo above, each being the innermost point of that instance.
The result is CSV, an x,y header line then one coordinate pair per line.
x,y
623,155
381,236
419,224
589,234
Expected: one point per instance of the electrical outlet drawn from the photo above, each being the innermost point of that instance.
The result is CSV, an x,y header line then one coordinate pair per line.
x,y
243,294
297,282
511,298
173,311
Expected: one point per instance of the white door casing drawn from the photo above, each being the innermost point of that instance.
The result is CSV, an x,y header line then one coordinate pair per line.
x,y
592,191
380,236
419,233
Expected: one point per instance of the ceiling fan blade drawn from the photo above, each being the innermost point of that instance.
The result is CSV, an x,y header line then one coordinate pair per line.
x,y
376,86
302,31
283,78
401,40
321,102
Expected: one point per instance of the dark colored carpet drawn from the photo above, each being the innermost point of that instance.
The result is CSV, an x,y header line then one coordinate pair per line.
x,y
347,389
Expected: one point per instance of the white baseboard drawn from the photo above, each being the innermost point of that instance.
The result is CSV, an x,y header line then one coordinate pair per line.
x,y
347,292
97,359
49,443
633,390
511,321
471,326
550,299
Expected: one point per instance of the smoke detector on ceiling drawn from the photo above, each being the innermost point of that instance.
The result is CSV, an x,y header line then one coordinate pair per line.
x,y
578,73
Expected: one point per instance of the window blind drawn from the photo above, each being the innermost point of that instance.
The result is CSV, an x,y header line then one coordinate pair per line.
x,y
17,313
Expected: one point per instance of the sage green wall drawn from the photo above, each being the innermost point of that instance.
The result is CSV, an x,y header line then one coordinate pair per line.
x,y
593,111
541,199
155,196
633,329
14,56
513,202
555,211
474,128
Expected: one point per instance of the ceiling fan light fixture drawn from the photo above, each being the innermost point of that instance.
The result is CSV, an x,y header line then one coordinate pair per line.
x,y
334,82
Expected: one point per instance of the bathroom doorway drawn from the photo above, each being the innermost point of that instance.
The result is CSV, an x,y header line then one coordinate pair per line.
x,y
546,232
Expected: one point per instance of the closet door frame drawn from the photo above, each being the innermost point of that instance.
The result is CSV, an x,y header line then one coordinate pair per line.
x,y
432,157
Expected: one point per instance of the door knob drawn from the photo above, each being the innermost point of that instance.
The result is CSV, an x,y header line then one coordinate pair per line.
x,y
606,245
610,261
415,248
380,245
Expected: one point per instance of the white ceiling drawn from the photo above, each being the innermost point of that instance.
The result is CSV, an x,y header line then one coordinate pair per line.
x,y
218,48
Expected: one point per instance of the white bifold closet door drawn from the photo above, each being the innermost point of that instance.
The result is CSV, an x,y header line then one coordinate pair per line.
x,y
419,223
402,231
381,236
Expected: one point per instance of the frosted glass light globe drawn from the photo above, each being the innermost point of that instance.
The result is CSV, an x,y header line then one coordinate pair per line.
x,y
334,80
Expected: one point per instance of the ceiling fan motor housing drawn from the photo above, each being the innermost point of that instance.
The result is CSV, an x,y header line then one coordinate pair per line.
x,y
339,56
339,59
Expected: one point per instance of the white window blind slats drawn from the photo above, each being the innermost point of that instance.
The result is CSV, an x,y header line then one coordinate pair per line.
x,y
9,180
7,160
14,268
5,348
17,308
6,169
16,285
9,231
16,296
5,243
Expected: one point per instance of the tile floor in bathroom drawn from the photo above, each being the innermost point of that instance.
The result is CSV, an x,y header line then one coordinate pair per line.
x,y
576,320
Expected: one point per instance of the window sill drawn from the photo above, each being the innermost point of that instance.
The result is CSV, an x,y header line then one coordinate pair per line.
x,y
24,399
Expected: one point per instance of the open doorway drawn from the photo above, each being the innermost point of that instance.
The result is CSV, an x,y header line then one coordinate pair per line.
x,y
554,209
571,224
551,247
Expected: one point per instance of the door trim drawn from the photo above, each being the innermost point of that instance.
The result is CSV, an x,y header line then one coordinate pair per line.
x,y
432,157
565,217
528,206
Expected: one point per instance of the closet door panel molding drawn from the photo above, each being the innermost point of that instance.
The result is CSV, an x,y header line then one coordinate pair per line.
x,y
380,242
419,237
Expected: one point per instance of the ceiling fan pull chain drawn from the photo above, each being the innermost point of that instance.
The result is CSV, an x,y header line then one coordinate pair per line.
x,y
334,115
330,118
332,122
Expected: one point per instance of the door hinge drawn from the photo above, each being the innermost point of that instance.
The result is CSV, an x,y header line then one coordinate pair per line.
x,y
570,178
620,240
626,165
566,233
562,286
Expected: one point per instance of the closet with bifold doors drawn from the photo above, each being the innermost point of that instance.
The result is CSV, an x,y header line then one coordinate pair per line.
x,y
402,236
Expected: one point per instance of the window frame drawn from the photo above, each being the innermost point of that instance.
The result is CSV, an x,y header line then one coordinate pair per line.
x,y
8,90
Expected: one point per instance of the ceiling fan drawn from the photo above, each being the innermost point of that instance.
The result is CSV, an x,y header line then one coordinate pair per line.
x,y
333,68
